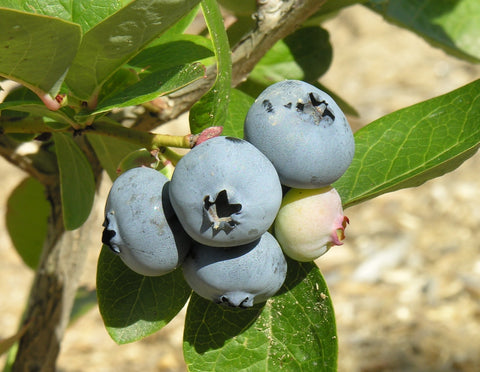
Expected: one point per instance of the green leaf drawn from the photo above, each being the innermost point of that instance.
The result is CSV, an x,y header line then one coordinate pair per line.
x,y
119,81
181,50
211,109
329,9
55,125
153,85
19,94
238,106
140,158
242,25
110,151
178,50
86,13
21,137
36,50
117,39
294,330
453,26
37,108
181,26
240,8
305,55
237,111
413,145
85,300
22,101
134,306
27,207
77,183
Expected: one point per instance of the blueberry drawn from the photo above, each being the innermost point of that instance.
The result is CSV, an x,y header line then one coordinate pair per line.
x,y
239,277
140,224
310,222
225,192
303,132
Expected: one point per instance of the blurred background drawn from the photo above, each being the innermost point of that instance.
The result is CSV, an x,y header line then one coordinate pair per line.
x,y
406,283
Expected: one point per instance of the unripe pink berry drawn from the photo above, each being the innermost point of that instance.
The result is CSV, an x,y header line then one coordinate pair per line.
x,y
310,222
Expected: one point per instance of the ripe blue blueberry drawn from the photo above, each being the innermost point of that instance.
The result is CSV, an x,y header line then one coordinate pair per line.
x,y
225,192
303,132
239,277
140,224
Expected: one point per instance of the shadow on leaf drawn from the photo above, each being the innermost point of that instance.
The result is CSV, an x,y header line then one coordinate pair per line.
x,y
208,325
134,306
296,273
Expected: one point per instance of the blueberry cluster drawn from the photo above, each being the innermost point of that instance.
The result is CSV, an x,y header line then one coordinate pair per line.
x,y
309,141
224,217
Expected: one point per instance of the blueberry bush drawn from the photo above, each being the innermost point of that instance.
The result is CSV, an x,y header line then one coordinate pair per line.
x,y
78,64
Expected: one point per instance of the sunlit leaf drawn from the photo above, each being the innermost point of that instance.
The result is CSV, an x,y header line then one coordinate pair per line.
x,y
238,106
212,108
180,50
36,50
111,43
413,145
293,331
152,86
87,13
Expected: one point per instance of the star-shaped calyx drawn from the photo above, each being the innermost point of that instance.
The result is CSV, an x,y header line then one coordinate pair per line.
x,y
219,213
318,109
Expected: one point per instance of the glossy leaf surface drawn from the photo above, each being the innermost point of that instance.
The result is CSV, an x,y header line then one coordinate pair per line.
x,y
87,13
134,306
413,145
238,106
153,85
110,152
118,38
293,331
175,51
212,108
26,39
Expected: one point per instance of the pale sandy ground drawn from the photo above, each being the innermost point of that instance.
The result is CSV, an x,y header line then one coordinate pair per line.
x,y
405,285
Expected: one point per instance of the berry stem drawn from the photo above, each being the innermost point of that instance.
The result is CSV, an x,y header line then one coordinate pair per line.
x,y
106,127
171,155
110,128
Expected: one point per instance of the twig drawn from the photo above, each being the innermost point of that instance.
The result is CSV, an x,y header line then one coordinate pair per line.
x,y
275,19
